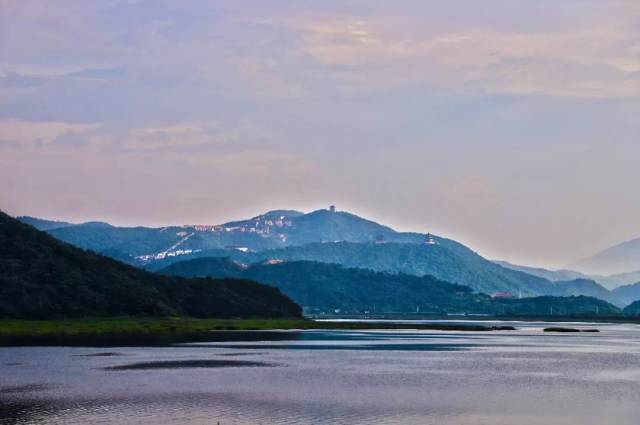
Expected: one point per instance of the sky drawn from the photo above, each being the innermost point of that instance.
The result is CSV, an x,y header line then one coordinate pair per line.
x,y
509,125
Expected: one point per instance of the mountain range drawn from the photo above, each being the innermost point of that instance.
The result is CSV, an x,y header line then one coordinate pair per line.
x,y
327,236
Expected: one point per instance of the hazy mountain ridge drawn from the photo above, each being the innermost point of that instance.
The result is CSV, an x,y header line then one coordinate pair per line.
x,y
552,275
618,259
610,282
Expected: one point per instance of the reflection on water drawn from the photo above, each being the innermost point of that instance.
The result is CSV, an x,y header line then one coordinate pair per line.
x,y
183,364
335,377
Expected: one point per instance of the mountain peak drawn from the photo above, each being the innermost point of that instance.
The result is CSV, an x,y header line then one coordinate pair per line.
x,y
621,258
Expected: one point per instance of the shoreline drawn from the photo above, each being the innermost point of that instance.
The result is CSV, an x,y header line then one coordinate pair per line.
x,y
162,331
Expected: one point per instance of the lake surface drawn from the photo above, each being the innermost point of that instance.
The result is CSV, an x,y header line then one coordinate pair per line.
x,y
336,377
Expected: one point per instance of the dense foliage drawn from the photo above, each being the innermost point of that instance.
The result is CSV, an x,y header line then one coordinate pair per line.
x,y
41,277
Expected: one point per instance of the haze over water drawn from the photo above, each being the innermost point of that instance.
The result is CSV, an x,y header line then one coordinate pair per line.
x,y
319,377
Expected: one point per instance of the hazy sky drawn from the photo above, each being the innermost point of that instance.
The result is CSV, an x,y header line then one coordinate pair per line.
x,y
512,126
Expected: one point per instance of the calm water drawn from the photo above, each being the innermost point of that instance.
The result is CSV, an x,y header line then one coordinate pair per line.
x,y
338,377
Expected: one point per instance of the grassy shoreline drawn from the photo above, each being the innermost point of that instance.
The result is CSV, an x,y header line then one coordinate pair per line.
x,y
157,331
167,330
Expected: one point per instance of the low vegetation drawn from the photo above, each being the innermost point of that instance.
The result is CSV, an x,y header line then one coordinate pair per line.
x,y
166,330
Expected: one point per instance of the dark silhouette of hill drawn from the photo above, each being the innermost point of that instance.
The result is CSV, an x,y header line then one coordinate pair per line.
x,y
41,277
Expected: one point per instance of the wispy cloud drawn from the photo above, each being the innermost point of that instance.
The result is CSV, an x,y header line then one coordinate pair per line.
x,y
424,110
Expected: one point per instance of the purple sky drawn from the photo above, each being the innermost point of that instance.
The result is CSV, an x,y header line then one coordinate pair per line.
x,y
509,125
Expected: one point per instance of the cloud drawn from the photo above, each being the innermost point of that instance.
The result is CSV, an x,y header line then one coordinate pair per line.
x,y
14,80
599,62
71,139
30,135
425,112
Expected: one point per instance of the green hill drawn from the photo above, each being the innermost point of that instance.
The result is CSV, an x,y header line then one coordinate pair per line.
x,y
41,277
321,287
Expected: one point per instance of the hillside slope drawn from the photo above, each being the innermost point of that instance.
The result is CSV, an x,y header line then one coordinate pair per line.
x,y
41,277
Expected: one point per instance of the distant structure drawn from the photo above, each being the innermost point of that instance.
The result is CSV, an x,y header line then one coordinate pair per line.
x,y
502,294
272,261
332,208
429,240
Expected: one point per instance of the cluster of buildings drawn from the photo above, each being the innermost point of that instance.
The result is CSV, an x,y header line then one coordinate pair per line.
x,y
259,225
165,254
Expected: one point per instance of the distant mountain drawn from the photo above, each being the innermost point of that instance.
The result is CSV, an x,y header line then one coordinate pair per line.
x,y
42,224
589,288
327,288
327,236
622,258
609,282
628,293
552,275
41,277
617,280
274,229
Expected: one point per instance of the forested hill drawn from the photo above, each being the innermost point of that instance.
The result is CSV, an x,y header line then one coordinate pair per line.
x,y
41,277
322,287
